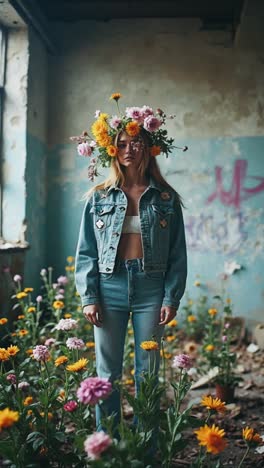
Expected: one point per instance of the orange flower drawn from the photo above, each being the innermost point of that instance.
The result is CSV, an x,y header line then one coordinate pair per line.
x,y
132,128
22,332
70,259
212,438
50,415
99,127
103,139
112,151
149,345
3,321
251,437
170,338
191,318
7,418
90,344
129,382
212,312
116,96
21,295
213,403
29,352
77,366
173,323
4,354
31,309
155,150
13,350
27,290
21,317
60,360
67,315
28,401
210,348
70,268
58,304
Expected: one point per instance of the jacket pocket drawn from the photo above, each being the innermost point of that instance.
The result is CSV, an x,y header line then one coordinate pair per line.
x,y
102,216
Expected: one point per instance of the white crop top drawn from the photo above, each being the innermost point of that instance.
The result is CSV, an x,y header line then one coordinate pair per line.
x,y
131,225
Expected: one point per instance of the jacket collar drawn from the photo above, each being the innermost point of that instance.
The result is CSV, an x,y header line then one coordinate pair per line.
x,y
152,184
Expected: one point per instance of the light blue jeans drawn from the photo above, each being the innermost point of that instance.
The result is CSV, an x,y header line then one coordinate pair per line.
x,y
127,290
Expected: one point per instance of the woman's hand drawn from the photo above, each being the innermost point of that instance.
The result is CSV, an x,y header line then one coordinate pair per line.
x,y
93,314
167,313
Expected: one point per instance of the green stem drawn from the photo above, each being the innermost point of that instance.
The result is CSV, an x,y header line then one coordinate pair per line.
x,y
245,455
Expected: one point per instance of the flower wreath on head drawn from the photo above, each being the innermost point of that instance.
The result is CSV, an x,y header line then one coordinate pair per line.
x,y
135,121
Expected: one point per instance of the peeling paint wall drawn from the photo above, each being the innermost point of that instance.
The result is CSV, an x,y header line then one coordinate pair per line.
x,y
216,91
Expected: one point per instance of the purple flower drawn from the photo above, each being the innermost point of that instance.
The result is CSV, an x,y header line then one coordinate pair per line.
x,y
6,269
39,298
11,378
17,278
23,385
152,124
74,343
146,111
70,406
62,280
61,291
115,121
50,342
97,443
84,149
93,389
66,324
41,353
224,338
135,113
183,361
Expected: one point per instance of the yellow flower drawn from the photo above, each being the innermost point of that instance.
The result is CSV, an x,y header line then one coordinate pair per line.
x,y
67,316
130,332
13,350
3,321
191,318
70,268
99,127
197,283
29,352
165,354
251,437
129,382
60,360
22,332
70,259
173,323
132,128
112,151
155,150
14,334
31,309
90,344
228,300
149,345
58,305
104,140
4,354
62,394
132,354
28,401
132,372
8,418
103,116
210,348
212,312
212,438
21,295
170,338
77,366
28,290
213,403
116,96
21,317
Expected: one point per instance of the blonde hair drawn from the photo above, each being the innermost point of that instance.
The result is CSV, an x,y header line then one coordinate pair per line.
x,y
148,167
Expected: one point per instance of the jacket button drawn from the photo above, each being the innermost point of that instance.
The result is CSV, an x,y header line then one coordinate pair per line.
x,y
122,208
108,269
115,234
111,247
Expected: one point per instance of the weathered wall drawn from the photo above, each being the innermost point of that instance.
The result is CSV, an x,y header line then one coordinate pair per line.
x,y
216,90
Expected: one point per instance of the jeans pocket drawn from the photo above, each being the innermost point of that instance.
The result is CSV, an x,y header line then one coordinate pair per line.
x,y
106,276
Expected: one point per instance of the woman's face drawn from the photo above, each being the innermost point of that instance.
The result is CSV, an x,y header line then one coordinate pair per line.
x,y
130,150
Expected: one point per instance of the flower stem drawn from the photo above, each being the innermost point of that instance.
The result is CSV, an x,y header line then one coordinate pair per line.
x,y
245,455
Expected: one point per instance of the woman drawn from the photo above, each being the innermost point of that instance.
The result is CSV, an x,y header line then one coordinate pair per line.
x,y
131,253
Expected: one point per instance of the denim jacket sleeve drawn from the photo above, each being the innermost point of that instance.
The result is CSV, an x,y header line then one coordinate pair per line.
x,y
86,263
175,276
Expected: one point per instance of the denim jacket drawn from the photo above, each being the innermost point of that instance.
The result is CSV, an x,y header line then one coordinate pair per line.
x,y
162,234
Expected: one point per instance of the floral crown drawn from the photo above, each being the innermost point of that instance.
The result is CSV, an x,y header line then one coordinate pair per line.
x,y
136,121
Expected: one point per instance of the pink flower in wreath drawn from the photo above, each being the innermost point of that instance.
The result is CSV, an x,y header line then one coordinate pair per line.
x,y
151,124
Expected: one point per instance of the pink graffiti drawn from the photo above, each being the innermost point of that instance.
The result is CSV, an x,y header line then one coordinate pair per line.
x,y
238,191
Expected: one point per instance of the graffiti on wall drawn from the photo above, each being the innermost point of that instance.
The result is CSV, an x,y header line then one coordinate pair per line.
x,y
228,232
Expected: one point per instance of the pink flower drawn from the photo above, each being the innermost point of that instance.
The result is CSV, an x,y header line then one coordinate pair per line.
x,y
50,342
41,353
224,338
61,291
115,121
39,298
11,378
23,385
135,113
183,361
17,278
151,124
227,325
97,443
66,324
146,111
70,406
62,280
84,149
93,389
74,343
